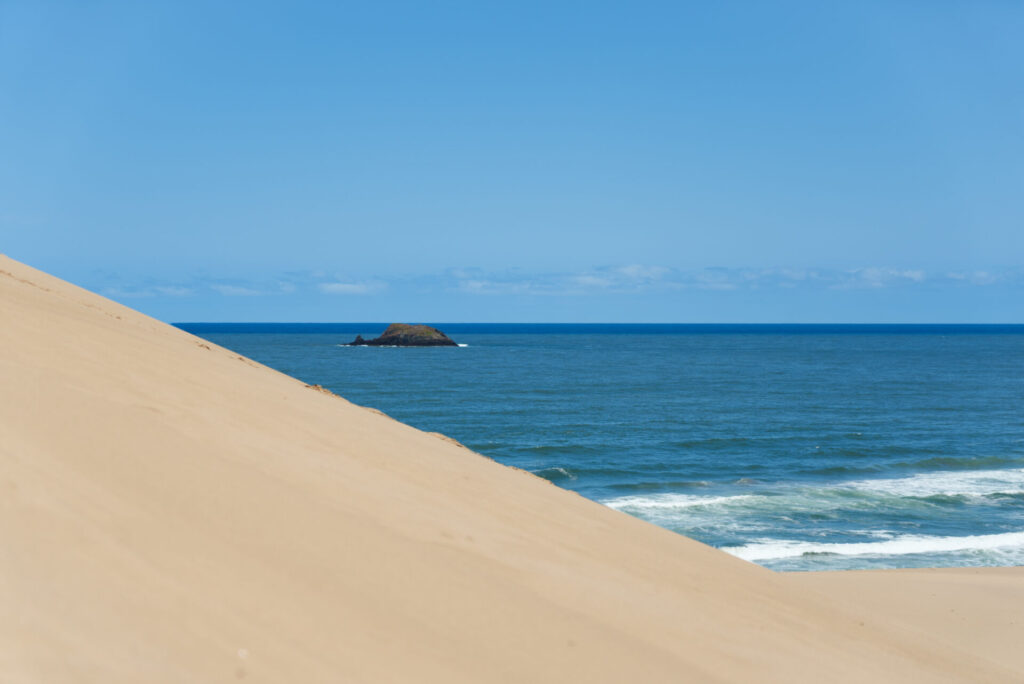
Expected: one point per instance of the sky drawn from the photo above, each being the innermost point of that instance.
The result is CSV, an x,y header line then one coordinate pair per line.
x,y
520,161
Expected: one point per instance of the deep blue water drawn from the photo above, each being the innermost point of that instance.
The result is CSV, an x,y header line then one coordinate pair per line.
x,y
797,447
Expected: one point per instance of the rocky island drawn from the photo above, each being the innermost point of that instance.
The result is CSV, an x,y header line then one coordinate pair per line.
x,y
403,335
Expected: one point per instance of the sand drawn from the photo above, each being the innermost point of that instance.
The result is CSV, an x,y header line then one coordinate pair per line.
x,y
174,512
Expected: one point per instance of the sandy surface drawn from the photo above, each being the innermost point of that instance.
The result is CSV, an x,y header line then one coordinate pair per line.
x,y
979,609
173,512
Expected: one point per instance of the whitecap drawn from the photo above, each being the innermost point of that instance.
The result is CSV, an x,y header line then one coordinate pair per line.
x,y
978,483
773,549
638,504
554,472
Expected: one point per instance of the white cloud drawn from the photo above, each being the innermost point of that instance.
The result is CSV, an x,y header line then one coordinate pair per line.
x,y
618,280
916,276
796,274
340,288
174,290
641,272
235,291
975,277
591,281
486,286
718,279
873,277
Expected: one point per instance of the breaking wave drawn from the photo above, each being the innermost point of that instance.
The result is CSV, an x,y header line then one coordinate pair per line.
x,y
774,549
979,483
776,524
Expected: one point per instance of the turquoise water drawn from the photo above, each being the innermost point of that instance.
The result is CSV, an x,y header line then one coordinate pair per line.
x,y
796,447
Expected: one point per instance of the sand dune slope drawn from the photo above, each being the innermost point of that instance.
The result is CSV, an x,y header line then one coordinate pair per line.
x,y
172,512
976,609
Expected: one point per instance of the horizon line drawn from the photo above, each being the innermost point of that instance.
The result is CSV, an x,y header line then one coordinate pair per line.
x,y
703,323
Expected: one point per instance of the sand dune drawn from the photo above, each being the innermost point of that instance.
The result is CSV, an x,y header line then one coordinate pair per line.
x,y
173,512
978,609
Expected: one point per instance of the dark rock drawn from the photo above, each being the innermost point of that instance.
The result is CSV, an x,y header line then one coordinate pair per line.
x,y
402,335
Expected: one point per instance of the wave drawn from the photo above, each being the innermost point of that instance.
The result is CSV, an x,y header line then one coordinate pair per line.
x,y
761,501
662,485
936,488
959,462
638,504
842,470
978,483
555,474
759,505
775,549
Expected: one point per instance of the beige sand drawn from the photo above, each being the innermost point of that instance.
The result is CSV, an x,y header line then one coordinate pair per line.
x,y
980,609
173,512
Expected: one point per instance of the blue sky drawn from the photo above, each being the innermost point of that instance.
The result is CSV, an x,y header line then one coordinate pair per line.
x,y
468,161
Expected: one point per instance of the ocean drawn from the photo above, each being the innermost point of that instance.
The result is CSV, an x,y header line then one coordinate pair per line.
x,y
798,447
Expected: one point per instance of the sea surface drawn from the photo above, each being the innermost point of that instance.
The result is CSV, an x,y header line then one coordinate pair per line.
x,y
796,447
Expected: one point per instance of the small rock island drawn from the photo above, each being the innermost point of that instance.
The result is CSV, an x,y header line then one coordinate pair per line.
x,y
403,335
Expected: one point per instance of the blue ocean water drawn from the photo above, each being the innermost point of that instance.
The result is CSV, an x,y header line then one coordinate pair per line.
x,y
796,447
